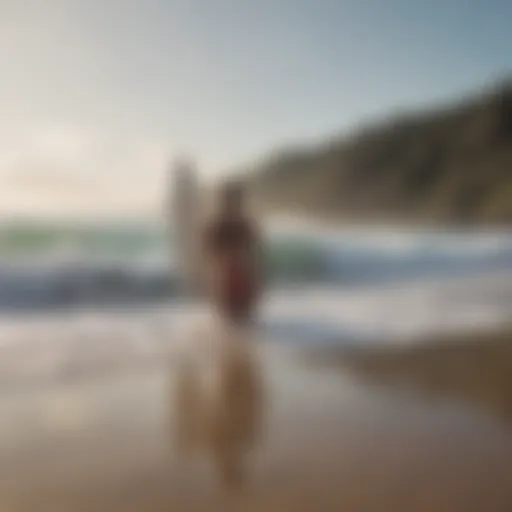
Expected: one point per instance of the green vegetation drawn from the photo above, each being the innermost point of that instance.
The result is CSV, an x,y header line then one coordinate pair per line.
x,y
449,165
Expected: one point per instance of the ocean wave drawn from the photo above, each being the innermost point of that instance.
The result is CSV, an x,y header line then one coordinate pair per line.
x,y
294,256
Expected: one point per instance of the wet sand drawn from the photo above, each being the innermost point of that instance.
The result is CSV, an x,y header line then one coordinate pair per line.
x,y
262,428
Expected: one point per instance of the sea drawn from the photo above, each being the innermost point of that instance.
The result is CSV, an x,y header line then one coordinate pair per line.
x,y
118,285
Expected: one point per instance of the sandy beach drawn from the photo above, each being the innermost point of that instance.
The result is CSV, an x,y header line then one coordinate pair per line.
x,y
283,429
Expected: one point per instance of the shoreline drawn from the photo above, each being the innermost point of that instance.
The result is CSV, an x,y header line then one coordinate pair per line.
x,y
473,369
329,440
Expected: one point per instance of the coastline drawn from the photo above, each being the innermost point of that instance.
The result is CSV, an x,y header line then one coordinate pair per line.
x,y
473,368
331,440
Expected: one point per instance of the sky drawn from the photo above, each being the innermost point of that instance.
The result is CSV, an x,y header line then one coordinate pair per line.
x,y
98,96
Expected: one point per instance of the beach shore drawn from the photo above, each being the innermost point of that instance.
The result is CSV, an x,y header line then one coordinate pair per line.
x,y
424,428
473,369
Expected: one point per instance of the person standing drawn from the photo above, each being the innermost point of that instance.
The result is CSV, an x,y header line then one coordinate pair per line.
x,y
231,245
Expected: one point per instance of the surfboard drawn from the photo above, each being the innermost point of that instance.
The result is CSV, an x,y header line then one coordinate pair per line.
x,y
185,221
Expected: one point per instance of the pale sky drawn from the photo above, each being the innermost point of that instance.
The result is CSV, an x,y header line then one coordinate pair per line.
x,y
97,95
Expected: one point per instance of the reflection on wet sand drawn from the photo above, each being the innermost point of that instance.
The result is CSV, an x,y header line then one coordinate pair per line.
x,y
474,370
219,401
300,437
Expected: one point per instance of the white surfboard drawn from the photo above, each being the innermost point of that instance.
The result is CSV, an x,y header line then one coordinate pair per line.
x,y
185,220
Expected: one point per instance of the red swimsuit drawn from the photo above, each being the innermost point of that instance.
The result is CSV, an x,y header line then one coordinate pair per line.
x,y
239,286
231,243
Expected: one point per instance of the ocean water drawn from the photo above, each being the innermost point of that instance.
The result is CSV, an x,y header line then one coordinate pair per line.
x,y
341,285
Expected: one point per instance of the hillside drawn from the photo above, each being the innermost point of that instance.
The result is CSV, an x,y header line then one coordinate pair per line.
x,y
449,165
